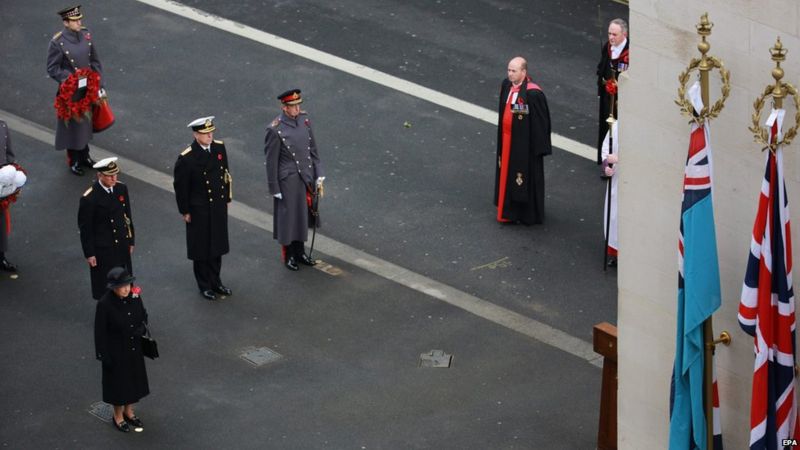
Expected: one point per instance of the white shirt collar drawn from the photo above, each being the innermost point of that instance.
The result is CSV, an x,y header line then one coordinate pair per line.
x,y
617,49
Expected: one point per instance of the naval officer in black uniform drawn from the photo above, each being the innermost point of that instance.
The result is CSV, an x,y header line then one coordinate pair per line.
x,y
71,49
294,175
106,226
203,190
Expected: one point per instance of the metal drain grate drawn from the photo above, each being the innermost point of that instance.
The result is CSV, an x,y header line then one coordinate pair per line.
x,y
259,356
102,411
435,358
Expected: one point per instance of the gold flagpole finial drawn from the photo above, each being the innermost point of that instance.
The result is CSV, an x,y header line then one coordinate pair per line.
x,y
704,65
778,91
778,54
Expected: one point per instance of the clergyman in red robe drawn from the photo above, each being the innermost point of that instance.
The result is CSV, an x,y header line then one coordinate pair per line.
x,y
523,139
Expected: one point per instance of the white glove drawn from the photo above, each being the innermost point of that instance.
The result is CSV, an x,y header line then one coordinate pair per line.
x,y
101,93
319,181
279,196
613,158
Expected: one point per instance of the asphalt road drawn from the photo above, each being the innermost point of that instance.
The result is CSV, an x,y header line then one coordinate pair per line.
x,y
418,197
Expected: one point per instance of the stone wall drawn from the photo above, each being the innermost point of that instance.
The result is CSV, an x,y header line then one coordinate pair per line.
x,y
653,148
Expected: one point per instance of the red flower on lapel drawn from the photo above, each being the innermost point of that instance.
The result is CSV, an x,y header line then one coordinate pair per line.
x,y
136,290
219,156
122,199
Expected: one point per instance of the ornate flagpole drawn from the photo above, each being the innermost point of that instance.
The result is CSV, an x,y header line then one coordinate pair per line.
x,y
705,64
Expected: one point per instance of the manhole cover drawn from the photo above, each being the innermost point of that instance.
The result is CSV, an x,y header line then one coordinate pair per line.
x,y
258,356
102,411
435,358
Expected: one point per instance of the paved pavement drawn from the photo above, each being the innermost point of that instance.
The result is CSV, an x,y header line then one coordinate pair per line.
x,y
417,197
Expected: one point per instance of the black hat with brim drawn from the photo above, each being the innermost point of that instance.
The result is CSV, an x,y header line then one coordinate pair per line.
x,y
118,276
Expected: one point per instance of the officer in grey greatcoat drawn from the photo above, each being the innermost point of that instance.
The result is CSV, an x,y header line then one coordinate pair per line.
x,y
294,175
6,157
72,49
203,190
105,223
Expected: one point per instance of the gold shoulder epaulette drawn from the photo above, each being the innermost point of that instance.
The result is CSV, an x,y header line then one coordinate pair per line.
x,y
218,142
88,191
57,35
186,152
83,28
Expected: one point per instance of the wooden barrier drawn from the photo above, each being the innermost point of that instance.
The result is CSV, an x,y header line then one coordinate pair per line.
x,y
605,344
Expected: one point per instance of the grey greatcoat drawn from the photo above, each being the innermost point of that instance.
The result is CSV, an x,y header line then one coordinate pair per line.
x,y
6,157
203,189
293,166
68,52
118,329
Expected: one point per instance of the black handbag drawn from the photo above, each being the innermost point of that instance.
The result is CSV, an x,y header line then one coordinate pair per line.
x,y
149,345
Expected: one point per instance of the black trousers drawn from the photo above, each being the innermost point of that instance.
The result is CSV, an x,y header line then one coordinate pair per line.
x,y
206,272
80,155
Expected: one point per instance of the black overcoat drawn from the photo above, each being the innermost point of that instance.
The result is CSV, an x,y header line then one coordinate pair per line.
x,y
6,157
105,224
203,189
68,51
118,328
530,142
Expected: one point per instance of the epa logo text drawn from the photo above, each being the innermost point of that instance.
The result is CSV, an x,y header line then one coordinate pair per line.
x,y
792,442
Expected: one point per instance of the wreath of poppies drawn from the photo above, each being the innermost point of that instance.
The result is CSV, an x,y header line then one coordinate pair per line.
x,y
66,108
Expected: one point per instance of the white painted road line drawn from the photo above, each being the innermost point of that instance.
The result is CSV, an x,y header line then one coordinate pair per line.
x,y
355,69
522,324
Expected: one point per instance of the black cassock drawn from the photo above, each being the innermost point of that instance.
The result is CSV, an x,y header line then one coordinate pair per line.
x,y
606,69
523,190
118,329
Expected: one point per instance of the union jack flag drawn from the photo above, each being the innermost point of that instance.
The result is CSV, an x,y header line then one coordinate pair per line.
x,y
699,296
766,310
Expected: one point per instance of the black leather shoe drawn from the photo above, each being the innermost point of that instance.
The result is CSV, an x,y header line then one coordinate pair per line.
x,y
7,266
76,169
122,426
208,294
136,423
291,263
223,290
612,261
305,259
88,162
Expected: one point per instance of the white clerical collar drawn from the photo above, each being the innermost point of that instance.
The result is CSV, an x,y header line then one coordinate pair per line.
x,y
617,49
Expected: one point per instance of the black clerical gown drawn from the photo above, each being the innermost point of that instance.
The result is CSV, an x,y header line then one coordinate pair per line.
x,y
523,139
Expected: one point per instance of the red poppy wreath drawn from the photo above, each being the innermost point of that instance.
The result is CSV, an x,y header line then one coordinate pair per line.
x,y
68,109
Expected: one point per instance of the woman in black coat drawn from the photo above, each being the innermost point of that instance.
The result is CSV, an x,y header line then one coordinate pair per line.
x,y
118,326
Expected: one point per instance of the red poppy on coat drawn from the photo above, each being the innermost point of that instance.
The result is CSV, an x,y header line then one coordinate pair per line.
x,y
122,199
136,290
219,156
